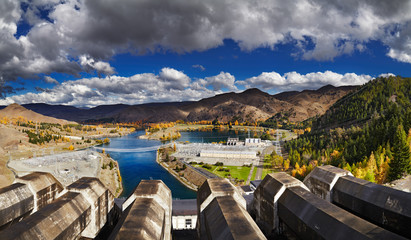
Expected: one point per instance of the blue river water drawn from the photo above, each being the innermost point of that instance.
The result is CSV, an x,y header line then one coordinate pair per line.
x,y
136,166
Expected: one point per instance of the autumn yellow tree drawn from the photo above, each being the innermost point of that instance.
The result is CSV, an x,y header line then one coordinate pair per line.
x,y
286,165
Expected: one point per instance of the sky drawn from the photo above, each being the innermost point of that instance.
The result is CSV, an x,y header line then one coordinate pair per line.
x,y
97,52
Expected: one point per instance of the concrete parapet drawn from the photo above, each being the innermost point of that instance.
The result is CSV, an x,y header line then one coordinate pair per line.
x,y
145,220
266,198
225,218
44,186
16,201
100,199
322,179
384,206
311,217
64,218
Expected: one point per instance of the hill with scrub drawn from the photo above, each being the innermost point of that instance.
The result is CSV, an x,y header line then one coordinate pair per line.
x,y
366,132
15,111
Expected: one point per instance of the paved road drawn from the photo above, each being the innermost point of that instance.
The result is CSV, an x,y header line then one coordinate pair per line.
x,y
259,166
250,175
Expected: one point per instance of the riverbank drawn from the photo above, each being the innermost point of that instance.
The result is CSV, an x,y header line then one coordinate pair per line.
x,y
110,175
183,174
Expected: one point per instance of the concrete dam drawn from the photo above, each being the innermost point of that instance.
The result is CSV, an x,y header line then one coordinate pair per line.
x,y
329,204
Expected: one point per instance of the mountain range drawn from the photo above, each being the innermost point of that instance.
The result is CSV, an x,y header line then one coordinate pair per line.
x,y
250,105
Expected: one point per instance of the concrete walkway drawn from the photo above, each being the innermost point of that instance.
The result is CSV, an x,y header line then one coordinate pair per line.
x,y
250,175
259,166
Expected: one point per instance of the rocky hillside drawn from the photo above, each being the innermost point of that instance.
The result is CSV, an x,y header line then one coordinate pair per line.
x,y
250,105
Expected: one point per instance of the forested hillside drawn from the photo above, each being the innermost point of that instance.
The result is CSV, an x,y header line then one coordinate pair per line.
x,y
366,132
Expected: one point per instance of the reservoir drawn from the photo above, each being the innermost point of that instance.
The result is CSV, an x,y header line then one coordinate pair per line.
x,y
136,166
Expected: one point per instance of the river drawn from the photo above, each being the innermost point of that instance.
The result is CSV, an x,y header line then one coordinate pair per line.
x,y
136,166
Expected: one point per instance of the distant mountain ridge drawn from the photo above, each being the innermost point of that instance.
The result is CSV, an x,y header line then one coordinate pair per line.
x,y
250,105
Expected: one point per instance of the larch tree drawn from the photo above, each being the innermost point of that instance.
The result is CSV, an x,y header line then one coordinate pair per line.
x,y
400,164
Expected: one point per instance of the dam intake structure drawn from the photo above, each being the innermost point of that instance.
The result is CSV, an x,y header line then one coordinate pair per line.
x,y
329,204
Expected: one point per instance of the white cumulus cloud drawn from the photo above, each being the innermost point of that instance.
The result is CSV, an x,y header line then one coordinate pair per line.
x,y
173,85
221,81
297,81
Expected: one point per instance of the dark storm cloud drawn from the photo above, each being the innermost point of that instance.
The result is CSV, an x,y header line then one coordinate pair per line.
x,y
73,36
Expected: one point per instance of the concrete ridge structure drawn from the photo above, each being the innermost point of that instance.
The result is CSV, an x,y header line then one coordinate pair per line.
x,y
37,207
145,220
215,187
266,197
309,215
16,201
27,195
100,199
387,207
44,186
225,218
306,215
149,216
322,179
222,213
65,218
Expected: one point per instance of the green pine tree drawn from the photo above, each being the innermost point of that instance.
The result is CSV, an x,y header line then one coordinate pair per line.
x,y
400,163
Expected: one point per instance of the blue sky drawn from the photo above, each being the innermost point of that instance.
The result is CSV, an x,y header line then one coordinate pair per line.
x,y
88,53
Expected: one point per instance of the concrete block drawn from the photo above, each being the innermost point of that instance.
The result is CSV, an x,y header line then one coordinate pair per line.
x,y
64,218
100,199
16,201
311,217
322,179
44,186
225,218
266,198
384,206
145,220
